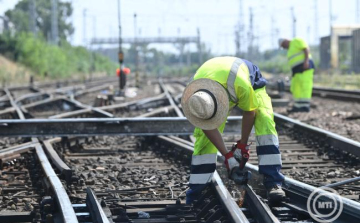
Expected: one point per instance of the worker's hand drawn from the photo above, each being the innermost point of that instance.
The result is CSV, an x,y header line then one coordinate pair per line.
x,y
230,162
306,65
241,152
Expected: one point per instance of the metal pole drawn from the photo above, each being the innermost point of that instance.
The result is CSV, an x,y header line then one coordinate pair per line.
x,y
358,11
136,54
84,26
316,32
54,22
293,22
32,13
199,46
122,76
241,25
272,31
330,14
251,34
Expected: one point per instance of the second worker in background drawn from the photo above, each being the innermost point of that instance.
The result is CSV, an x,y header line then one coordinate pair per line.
x,y
302,66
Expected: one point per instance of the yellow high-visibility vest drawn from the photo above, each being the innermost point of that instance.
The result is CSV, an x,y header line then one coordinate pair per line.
x,y
233,74
296,53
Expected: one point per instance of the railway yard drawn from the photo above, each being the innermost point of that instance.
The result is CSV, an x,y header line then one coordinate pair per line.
x,y
73,152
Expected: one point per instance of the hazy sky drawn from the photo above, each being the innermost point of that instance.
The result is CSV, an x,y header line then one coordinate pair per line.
x,y
216,19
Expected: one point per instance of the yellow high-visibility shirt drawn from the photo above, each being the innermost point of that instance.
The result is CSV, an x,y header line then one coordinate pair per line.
x,y
218,69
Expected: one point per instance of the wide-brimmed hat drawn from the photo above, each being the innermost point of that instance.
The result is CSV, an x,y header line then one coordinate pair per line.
x,y
205,103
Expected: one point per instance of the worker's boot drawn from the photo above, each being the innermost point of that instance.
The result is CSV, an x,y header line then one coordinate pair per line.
x,y
275,194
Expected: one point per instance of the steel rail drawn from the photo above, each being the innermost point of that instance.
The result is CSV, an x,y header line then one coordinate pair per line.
x,y
352,180
105,126
17,149
332,93
333,139
76,113
96,212
158,111
14,105
56,160
34,96
46,101
171,100
140,104
63,200
67,82
299,192
261,212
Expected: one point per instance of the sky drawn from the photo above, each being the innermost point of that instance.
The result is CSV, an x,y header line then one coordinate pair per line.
x,y
217,20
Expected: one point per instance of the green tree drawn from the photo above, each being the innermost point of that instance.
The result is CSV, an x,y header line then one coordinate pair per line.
x,y
19,16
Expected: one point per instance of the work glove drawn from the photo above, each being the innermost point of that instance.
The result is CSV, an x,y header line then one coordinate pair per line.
x,y
241,153
230,162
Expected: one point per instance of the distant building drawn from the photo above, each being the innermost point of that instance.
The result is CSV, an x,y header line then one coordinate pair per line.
x,y
341,48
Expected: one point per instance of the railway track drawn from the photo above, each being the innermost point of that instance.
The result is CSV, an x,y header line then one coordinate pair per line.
x,y
331,93
143,178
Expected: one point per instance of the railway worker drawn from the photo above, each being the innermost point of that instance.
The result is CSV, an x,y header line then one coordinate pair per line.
x,y
219,85
302,66
122,76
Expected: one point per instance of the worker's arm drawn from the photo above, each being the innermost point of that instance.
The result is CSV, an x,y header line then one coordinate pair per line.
x,y
215,137
247,124
306,61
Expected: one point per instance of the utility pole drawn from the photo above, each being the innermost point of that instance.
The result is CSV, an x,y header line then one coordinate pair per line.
x,y
54,22
122,76
272,30
199,46
84,26
330,15
94,27
293,22
32,19
251,34
136,54
181,48
357,11
92,51
239,33
316,28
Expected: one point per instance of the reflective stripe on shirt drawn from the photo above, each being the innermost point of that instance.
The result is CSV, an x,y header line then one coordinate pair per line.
x,y
231,79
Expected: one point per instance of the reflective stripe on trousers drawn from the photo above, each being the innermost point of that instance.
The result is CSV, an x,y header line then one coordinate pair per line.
x,y
267,142
302,103
202,170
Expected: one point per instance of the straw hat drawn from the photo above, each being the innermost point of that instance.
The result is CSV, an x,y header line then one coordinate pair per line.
x,y
205,103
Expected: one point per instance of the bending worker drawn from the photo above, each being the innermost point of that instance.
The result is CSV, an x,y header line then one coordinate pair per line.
x,y
302,66
219,85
